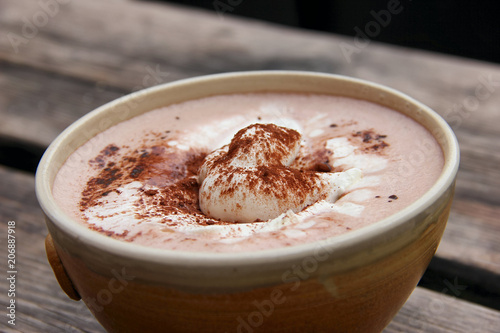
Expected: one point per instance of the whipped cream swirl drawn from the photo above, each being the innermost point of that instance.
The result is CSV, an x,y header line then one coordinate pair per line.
x,y
252,178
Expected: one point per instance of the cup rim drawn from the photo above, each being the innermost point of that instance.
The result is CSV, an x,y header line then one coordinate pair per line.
x,y
351,241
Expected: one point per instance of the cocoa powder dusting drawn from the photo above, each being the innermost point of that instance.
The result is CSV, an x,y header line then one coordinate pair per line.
x,y
270,176
243,144
318,160
169,176
172,173
371,141
100,160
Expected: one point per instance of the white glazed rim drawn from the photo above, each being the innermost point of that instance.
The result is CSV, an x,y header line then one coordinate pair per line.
x,y
356,240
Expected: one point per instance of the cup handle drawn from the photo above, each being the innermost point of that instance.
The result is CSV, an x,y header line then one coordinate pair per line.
x,y
59,271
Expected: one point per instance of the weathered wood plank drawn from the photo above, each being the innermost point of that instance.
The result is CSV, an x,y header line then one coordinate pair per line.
x,y
429,311
161,44
157,35
42,306
81,71
473,235
35,105
60,73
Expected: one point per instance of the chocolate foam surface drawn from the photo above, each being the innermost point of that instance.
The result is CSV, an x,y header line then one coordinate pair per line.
x,y
139,180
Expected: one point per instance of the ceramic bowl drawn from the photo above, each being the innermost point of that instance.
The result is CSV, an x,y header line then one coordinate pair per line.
x,y
355,282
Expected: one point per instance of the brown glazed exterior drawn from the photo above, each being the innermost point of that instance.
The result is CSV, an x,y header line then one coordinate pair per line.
x,y
355,282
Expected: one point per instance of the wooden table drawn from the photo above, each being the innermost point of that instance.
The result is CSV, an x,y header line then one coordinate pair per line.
x,y
59,61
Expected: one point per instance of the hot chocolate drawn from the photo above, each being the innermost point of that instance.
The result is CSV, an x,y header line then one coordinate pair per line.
x,y
248,171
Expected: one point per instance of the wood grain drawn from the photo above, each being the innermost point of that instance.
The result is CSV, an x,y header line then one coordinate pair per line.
x,y
43,306
37,105
428,311
91,52
81,71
